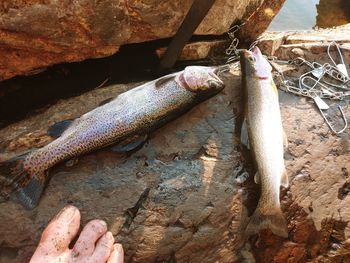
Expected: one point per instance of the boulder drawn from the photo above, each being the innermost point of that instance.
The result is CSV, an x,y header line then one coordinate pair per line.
x,y
35,34
334,13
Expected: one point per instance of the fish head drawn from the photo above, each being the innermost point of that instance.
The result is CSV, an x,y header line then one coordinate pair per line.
x,y
254,64
200,79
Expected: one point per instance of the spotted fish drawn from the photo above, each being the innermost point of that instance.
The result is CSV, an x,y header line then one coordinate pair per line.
x,y
130,115
263,133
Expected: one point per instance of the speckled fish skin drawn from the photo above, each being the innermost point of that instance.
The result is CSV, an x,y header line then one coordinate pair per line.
x,y
137,111
265,135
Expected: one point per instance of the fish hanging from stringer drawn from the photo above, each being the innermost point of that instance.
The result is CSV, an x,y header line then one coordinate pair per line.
x,y
263,134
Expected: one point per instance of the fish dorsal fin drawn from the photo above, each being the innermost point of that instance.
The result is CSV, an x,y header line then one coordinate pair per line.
x,y
244,134
58,128
105,101
160,82
284,179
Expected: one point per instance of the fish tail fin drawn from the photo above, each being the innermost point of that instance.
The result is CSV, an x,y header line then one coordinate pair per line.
x,y
272,219
15,180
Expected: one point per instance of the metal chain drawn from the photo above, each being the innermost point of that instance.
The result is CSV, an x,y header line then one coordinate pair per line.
x,y
317,75
312,84
318,88
232,51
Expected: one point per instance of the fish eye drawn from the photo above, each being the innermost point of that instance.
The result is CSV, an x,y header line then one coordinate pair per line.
x,y
252,59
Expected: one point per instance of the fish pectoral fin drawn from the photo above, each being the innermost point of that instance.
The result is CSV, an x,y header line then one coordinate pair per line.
x,y
284,179
58,128
130,144
72,162
105,101
285,140
257,178
244,134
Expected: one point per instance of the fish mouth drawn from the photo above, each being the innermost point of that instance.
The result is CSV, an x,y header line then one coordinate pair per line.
x,y
215,82
246,53
256,51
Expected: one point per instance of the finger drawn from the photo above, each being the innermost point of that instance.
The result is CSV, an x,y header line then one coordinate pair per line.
x,y
104,248
117,255
85,245
60,232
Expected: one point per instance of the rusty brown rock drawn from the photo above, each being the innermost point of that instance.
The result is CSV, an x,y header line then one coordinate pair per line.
x,y
332,13
39,33
259,21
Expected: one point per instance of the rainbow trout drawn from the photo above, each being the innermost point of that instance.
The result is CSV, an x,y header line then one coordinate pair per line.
x,y
133,113
263,134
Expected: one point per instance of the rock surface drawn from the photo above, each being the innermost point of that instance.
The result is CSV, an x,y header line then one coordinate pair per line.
x,y
259,20
36,33
185,196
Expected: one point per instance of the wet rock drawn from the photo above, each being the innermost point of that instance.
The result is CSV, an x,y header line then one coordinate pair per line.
x,y
36,34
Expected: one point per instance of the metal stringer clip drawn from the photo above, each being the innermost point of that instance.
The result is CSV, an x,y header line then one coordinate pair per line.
x,y
322,107
341,66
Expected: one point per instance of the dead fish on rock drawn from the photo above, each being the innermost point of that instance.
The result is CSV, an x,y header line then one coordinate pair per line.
x,y
263,134
131,115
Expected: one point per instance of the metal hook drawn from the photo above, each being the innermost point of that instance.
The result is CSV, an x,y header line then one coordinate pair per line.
x,y
331,72
252,45
232,59
233,29
341,67
329,124
316,72
233,47
326,91
222,69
